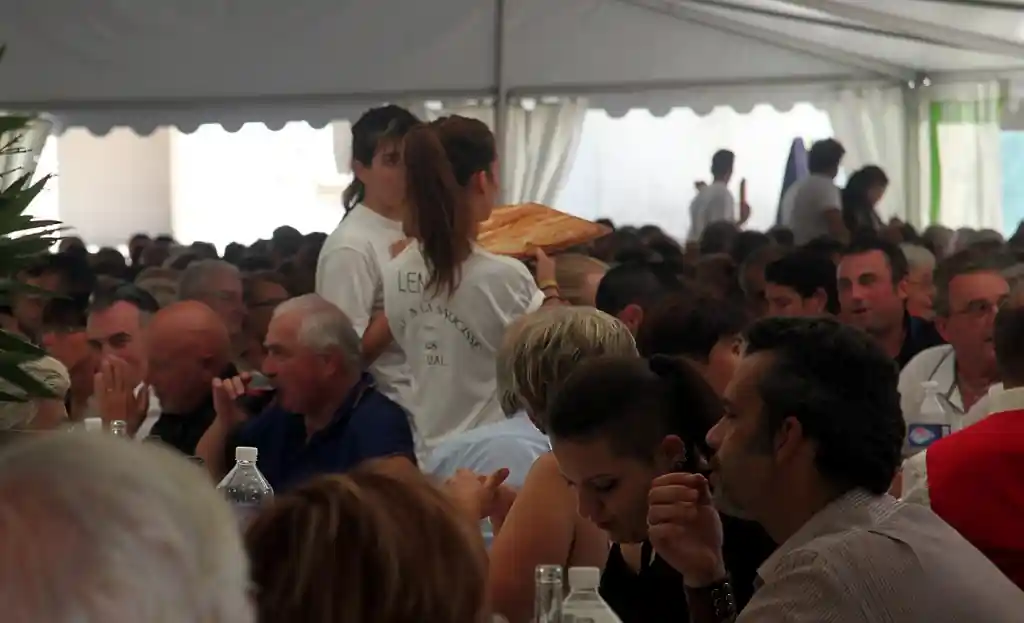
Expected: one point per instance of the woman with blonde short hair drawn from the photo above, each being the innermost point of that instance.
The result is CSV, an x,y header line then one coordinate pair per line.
x,y
543,526
341,548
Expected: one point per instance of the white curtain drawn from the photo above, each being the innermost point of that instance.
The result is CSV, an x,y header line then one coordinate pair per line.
x,y
541,141
870,125
959,151
240,186
24,151
639,169
541,146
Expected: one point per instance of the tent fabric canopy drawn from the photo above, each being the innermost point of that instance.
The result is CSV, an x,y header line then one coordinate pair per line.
x,y
109,63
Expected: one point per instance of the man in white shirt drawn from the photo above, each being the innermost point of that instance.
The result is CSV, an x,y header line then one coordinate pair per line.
x,y
969,291
812,207
115,327
714,202
972,479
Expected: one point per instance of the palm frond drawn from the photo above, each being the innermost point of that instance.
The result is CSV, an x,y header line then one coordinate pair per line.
x,y
22,239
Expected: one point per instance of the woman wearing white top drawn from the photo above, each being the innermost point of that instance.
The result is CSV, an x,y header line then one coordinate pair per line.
x,y
348,271
448,301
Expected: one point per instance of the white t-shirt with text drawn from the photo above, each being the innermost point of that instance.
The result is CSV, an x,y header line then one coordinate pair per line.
x,y
348,274
450,342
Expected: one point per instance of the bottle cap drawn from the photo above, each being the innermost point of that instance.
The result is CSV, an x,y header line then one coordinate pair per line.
x,y
245,453
93,424
583,578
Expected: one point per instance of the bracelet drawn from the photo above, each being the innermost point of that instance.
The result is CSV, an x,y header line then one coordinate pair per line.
x,y
553,297
547,284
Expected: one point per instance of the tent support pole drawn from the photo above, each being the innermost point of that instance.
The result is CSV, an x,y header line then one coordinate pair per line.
x,y
501,95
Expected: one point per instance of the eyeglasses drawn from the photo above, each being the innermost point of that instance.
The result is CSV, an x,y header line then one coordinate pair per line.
x,y
983,308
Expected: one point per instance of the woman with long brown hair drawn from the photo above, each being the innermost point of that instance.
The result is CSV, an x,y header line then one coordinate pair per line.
x,y
448,301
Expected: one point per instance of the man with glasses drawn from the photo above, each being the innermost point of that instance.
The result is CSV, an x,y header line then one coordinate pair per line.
x,y
969,291
115,324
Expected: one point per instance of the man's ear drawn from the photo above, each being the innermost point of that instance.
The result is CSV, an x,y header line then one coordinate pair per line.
x,y
632,316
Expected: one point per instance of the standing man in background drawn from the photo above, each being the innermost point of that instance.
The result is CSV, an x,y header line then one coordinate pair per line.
x,y
812,207
714,202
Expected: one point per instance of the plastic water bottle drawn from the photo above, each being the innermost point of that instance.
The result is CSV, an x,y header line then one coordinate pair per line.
x,y
584,603
244,486
547,594
933,421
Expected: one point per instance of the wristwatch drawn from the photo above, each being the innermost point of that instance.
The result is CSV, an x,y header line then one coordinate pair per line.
x,y
714,603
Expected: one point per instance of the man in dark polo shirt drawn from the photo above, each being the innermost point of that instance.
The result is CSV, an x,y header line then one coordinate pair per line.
x,y
326,417
872,278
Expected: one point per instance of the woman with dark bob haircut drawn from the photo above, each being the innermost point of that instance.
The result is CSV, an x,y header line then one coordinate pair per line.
x,y
616,425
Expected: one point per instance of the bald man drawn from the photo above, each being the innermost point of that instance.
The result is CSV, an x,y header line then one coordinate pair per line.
x,y
189,346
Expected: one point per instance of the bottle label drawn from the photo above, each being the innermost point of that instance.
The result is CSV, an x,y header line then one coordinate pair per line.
x,y
924,435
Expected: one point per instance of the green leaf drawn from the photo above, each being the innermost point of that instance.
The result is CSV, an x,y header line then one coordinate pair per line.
x,y
22,239
23,380
11,343
5,397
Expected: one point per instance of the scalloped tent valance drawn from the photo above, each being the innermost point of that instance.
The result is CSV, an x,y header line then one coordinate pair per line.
x,y
108,63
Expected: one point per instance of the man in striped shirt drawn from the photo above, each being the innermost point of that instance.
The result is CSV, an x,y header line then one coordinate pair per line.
x,y
808,445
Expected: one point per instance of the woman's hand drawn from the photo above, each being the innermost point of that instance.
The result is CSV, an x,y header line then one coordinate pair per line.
x,y
477,494
398,247
544,267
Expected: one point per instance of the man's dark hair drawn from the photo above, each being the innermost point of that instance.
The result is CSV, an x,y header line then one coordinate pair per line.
x,y
76,275
782,235
722,163
825,156
635,283
746,243
842,388
965,262
825,245
806,272
634,404
1008,336
689,325
105,298
63,314
718,237
893,254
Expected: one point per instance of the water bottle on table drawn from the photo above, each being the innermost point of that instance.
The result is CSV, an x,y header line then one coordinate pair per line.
x,y
547,594
934,420
244,486
584,603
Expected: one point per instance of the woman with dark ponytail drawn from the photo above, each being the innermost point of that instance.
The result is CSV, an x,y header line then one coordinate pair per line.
x,y
348,271
615,425
448,301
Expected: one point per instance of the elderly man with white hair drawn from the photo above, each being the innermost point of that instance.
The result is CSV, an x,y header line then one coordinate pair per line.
x,y
95,530
327,415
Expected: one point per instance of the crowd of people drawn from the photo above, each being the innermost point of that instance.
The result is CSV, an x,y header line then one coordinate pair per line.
x,y
719,426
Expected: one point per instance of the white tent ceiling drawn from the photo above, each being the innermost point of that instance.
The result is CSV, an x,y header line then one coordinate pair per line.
x,y
185,62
